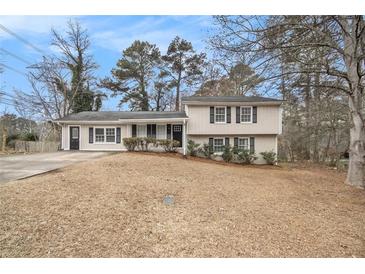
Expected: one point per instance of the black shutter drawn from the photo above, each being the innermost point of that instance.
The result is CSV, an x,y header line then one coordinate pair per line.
x,y
211,144
211,115
134,130
149,130
118,135
254,114
226,141
153,131
238,115
91,135
228,115
252,144
236,142
168,131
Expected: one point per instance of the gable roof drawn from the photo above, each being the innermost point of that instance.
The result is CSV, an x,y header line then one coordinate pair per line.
x,y
239,98
120,115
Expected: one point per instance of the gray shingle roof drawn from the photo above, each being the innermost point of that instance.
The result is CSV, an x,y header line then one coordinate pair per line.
x,y
228,99
116,115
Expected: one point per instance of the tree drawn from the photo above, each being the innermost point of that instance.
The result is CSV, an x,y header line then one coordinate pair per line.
x,y
332,47
238,79
133,75
62,84
183,66
74,48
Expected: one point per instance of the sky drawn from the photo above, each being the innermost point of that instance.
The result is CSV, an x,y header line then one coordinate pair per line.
x,y
109,36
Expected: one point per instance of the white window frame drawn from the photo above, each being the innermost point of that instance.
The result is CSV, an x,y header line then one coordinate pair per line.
x,y
218,138
105,142
246,122
248,142
225,115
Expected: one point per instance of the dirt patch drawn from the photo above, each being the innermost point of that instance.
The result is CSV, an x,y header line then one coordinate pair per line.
x,y
114,207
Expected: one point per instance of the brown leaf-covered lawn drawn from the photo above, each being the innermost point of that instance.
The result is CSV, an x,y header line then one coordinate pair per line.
x,y
113,207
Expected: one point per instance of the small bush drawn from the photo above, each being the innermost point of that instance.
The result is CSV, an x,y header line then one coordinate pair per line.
x,y
192,148
11,138
168,145
227,154
269,157
246,157
28,136
206,150
131,143
147,141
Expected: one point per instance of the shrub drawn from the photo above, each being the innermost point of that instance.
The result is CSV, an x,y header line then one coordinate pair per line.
x,y
28,136
11,138
168,145
246,157
131,143
147,141
192,148
227,154
269,157
206,150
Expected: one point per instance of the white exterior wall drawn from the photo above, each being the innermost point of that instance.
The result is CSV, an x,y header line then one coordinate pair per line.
x,y
125,131
262,143
268,121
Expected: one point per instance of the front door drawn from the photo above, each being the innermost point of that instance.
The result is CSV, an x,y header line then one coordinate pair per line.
x,y
177,134
74,137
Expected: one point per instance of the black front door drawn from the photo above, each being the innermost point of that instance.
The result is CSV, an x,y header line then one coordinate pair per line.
x,y
74,137
177,134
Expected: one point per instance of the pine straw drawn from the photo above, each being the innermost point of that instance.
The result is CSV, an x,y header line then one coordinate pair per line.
x,y
113,207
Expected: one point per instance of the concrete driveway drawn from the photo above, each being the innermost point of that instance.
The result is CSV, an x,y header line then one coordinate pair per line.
x,y
22,166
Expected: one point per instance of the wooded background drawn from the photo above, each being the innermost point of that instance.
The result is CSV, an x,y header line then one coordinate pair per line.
x,y
314,63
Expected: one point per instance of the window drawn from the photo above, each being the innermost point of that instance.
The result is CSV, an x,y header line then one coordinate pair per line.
x,y
243,143
177,128
220,114
99,135
110,135
246,114
161,132
141,130
75,133
218,145
104,135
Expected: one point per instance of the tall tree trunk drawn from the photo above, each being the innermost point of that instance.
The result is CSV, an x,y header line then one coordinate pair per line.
x,y
355,174
177,100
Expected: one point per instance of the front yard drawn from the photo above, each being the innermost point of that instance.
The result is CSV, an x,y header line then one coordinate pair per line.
x,y
113,207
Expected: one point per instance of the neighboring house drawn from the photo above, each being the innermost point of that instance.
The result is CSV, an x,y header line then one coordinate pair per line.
x,y
247,122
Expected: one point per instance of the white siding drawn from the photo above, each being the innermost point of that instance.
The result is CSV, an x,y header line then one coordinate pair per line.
x,y
268,122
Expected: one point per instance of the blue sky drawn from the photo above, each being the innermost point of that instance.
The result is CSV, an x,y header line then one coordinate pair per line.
x,y
109,36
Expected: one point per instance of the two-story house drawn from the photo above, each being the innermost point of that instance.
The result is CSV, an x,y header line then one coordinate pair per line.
x,y
247,122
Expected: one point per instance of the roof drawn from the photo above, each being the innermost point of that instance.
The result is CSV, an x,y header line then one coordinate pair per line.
x,y
239,98
120,115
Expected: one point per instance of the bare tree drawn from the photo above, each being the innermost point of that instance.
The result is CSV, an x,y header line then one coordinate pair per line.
x,y
62,84
330,46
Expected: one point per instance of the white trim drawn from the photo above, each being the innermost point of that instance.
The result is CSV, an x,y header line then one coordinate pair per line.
x,y
105,142
216,138
68,134
250,122
225,115
126,121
